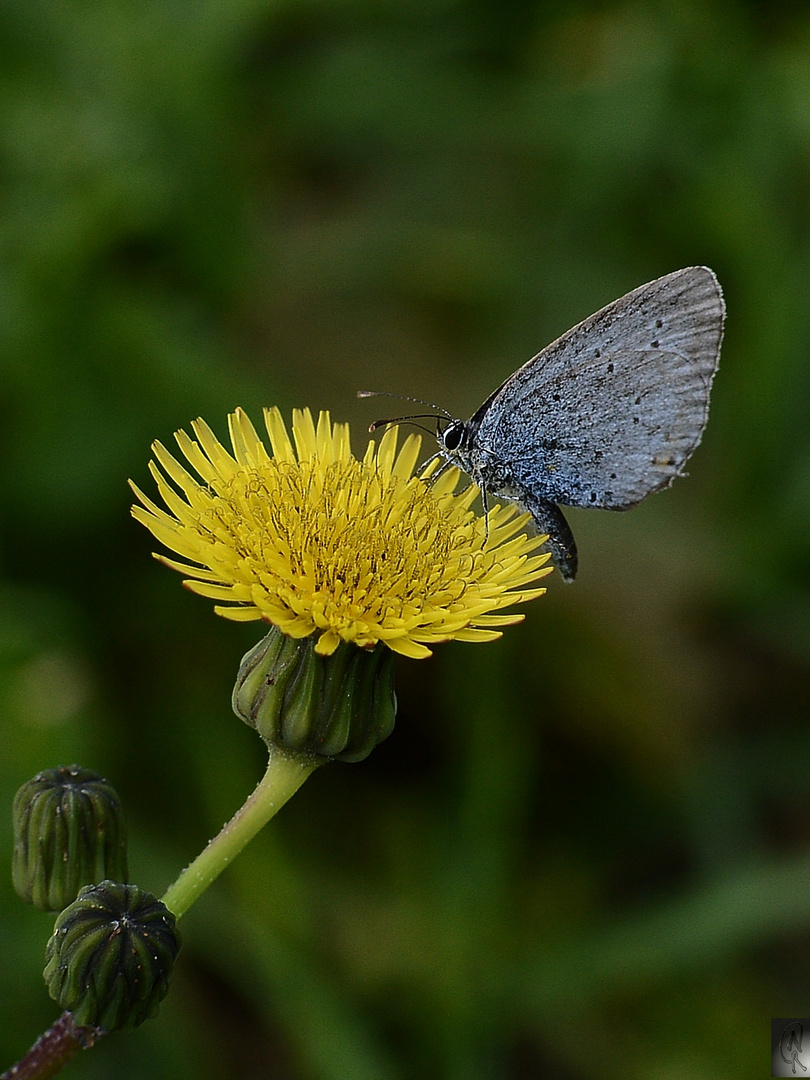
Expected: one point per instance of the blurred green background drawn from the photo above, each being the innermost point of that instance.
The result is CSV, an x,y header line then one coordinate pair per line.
x,y
585,850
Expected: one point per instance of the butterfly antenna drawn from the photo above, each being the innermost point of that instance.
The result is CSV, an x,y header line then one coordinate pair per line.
x,y
404,397
410,418
406,420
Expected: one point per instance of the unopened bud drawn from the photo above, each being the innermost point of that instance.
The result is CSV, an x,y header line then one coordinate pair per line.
x,y
69,831
110,956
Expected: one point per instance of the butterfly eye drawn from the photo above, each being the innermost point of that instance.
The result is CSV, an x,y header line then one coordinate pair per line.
x,y
452,435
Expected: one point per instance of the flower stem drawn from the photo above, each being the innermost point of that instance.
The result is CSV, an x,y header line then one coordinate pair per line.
x,y
285,774
53,1050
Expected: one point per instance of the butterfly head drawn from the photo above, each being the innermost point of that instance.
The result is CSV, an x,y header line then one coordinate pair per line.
x,y
457,444
452,437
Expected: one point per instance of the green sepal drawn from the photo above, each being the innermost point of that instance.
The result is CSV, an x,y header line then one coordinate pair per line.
x,y
339,706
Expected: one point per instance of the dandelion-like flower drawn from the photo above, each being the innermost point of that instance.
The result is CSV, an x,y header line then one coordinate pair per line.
x,y
318,542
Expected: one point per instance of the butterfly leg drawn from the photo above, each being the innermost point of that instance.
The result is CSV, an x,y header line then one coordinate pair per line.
x,y
548,518
436,472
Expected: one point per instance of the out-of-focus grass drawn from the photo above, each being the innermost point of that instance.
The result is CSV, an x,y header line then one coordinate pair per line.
x,y
584,849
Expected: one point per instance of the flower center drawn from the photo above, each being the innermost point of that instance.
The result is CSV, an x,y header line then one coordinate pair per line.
x,y
347,535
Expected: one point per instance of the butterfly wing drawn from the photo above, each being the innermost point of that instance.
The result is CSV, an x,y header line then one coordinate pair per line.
x,y
612,410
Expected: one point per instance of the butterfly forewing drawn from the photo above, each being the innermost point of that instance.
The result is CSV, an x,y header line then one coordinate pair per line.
x,y
612,410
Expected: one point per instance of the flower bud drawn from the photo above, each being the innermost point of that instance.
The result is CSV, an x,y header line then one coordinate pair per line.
x,y
337,706
69,830
110,956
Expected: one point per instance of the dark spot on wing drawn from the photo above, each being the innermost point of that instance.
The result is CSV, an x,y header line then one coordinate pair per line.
x,y
659,323
610,369
654,344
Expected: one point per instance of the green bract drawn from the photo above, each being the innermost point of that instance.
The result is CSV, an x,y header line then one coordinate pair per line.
x,y
337,706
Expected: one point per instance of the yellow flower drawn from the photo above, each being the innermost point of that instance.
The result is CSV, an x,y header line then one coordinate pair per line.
x,y
315,541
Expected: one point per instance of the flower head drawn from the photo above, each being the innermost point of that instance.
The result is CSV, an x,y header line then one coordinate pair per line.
x,y
316,541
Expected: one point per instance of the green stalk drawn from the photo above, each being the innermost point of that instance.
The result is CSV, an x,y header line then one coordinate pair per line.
x,y
285,774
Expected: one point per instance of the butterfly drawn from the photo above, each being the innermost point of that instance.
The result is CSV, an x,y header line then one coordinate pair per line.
x,y
602,417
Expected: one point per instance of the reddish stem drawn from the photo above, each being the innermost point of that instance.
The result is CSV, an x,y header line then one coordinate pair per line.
x,y
53,1050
